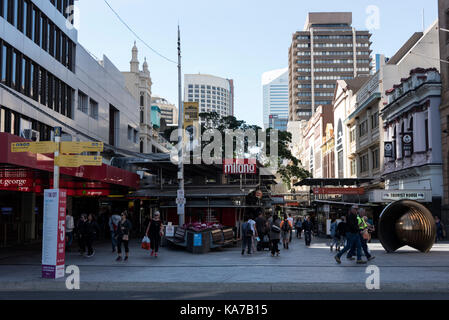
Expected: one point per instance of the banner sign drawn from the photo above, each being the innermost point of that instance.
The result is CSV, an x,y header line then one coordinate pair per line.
x,y
240,166
346,191
403,195
80,147
197,239
74,161
53,242
388,149
407,142
35,147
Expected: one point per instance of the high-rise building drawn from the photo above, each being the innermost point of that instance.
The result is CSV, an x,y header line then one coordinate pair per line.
x,y
328,49
214,94
169,112
275,96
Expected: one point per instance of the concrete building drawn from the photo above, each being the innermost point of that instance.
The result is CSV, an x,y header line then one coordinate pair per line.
x,y
413,130
443,13
169,112
214,94
277,122
328,49
49,80
275,96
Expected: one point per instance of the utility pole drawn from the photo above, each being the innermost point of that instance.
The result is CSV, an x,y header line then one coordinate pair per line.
x,y
181,207
58,134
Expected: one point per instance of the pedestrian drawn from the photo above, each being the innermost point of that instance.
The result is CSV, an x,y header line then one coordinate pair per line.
x,y
81,230
155,231
334,235
298,226
363,235
123,233
275,235
261,229
308,228
247,235
440,229
114,220
254,230
341,232
286,228
353,237
92,232
290,218
69,227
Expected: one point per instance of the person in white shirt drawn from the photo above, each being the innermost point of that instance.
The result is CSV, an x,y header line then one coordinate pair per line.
x,y
69,227
113,225
255,235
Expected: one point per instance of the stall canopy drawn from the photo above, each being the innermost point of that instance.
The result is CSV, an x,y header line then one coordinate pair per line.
x,y
332,182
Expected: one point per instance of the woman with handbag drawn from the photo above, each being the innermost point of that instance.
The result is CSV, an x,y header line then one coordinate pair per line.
x,y
155,231
123,231
275,235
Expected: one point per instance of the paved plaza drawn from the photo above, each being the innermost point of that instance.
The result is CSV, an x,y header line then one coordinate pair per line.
x,y
297,270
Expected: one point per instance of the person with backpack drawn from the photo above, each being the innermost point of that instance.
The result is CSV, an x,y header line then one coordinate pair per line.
x,y
308,228
114,220
286,228
298,227
341,231
247,236
334,235
275,235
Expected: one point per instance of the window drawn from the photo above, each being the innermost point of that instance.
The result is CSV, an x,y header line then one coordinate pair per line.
x,y
376,159
375,120
136,135
142,99
363,128
93,109
426,128
352,135
130,133
364,163
82,102
353,167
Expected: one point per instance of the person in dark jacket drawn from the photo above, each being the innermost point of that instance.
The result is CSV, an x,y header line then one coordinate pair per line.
x,y
353,237
92,232
81,230
307,226
123,232
342,230
275,235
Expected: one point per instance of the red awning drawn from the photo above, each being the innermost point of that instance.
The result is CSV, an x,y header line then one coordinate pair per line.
x,y
105,173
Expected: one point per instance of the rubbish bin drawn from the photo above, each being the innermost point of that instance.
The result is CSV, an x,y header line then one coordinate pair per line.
x,y
198,242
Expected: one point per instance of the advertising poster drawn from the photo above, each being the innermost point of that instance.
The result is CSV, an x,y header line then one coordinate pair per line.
x,y
53,246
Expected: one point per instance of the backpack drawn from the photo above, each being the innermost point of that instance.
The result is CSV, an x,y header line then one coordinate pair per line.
x,y
275,228
299,224
286,226
247,231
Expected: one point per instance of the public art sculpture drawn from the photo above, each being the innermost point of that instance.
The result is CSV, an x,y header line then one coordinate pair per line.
x,y
407,223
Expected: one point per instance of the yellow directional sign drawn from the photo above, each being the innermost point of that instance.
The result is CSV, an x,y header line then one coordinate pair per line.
x,y
34,147
69,161
80,147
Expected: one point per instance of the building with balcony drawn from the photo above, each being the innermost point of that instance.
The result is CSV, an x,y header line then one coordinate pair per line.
x,y
413,130
328,49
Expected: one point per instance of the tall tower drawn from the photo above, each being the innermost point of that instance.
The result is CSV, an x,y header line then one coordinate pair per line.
x,y
329,49
135,60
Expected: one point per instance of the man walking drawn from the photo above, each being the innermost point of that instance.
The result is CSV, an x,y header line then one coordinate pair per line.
x,y
114,220
247,235
308,228
363,227
353,237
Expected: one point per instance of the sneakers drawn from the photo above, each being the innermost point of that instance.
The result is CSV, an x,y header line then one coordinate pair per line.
x,y
361,262
118,259
126,258
243,253
371,258
337,258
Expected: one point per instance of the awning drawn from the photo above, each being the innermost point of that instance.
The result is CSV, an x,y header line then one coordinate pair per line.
x,y
345,203
332,182
221,191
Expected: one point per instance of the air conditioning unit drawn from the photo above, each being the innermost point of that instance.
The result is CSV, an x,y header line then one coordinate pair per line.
x,y
30,134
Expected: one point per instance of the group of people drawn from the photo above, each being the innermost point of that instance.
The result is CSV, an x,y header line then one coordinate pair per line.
x,y
354,232
270,232
120,227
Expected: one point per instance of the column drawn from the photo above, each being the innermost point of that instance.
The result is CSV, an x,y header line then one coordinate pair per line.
x,y
27,217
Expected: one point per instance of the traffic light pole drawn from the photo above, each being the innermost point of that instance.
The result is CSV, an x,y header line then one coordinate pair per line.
x,y
181,213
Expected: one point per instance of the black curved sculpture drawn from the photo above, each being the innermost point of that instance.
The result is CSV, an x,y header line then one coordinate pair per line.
x,y
407,223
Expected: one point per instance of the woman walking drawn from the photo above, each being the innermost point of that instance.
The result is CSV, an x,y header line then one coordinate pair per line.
x,y
275,235
155,231
334,235
286,228
123,231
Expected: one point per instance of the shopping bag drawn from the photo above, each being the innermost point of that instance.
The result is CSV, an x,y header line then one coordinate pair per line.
x,y
146,243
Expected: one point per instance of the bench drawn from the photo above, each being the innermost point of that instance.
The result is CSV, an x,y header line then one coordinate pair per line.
x,y
228,237
180,238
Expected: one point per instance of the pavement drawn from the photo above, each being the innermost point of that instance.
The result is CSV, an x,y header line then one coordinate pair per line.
x,y
298,270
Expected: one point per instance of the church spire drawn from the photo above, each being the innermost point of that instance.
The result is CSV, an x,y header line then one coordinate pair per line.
x,y
145,67
135,60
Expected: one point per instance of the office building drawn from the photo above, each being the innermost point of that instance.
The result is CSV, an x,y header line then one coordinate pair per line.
x,y
328,49
275,96
169,112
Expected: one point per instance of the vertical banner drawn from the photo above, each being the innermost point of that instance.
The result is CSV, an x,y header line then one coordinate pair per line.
x,y
53,244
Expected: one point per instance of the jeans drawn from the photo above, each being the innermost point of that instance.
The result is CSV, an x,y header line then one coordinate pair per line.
x,y
353,239
298,233
69,241
274,246
247,242
334,242
113,240
308,236
364,245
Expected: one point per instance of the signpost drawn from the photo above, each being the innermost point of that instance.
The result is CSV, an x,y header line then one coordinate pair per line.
x,y
55,200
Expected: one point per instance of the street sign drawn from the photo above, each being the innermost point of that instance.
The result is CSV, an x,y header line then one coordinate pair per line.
x,y
80,147
181,209
71,161
34,147
181,201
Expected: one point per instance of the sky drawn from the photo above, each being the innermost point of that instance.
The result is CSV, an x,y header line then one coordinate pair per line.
x,y
234,39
